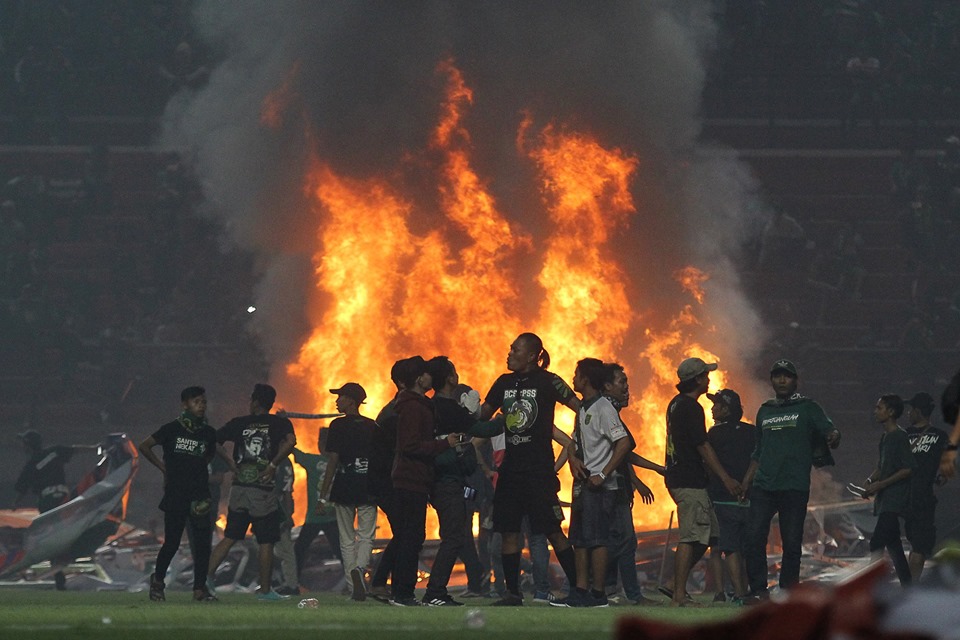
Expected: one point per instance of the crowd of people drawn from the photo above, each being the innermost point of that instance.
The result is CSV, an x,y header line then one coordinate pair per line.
x,y
855,60
436,442
97,273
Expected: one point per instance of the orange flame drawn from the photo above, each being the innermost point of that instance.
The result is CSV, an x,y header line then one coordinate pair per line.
x,y
690,278
385,291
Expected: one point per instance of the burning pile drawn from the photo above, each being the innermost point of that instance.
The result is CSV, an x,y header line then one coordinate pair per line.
x,y
466,282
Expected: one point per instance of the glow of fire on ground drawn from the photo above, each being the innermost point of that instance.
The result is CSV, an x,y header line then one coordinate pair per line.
x,y
384,292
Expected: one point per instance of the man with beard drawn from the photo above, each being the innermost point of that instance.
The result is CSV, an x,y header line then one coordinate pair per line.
x,y
260,441
791,429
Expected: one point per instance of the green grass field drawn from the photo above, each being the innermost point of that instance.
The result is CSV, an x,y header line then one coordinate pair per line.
x,y
106,615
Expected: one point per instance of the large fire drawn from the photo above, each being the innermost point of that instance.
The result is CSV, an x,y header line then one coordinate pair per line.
x,y
385,290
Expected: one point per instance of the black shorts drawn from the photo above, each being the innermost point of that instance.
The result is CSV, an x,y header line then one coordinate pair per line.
x,y
591,524
921,530
265,528
531,496
733,526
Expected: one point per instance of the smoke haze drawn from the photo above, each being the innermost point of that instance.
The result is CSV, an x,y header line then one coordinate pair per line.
x,y
357,86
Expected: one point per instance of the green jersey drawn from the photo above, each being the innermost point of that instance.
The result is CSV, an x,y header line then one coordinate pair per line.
x,y
787,432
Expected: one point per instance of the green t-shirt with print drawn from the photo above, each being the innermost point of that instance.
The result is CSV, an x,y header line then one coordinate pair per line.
x,y
787,432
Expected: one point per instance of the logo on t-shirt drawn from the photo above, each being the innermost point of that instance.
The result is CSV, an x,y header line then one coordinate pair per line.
x,y
256,443
923,443
780,422
189,446
521,412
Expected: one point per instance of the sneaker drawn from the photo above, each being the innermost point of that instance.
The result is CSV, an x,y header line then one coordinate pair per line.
x,y
288,591
720,597
643,601
752,599
211,587
544,597
467,593
405,602
271,596
380,593
508,600
202,595
574,599
156,589
359,588
442,601
593,602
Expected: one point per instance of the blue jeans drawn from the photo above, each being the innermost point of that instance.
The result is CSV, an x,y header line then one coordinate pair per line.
x,y
792,508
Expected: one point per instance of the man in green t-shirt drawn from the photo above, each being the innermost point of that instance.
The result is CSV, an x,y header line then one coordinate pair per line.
x,y
793,434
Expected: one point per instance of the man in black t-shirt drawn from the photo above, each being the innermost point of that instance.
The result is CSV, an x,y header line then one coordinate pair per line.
x,y
688,457
188,445
349,448
527,483
260,441
928,444
450,470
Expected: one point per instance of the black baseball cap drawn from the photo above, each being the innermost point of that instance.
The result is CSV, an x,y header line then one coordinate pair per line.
x,y
728,397
351,390
784,365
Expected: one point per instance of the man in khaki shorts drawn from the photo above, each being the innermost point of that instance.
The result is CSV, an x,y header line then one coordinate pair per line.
x,y
688,458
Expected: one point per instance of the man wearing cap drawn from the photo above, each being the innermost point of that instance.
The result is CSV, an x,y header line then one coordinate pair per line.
x,y
733,441
349,447
928,444
689,455
43,474
793,435
260,441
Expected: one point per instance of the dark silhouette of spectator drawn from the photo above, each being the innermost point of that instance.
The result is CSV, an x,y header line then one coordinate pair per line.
x,y
907,176
782,236
863,76
916,334
850,270
97,195
183,72
919,224
946,180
